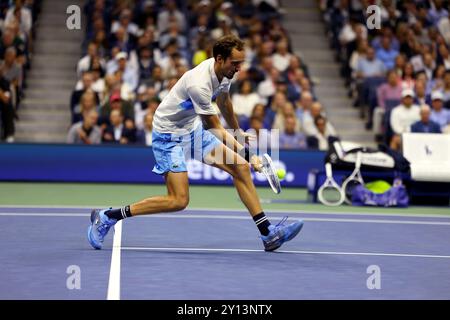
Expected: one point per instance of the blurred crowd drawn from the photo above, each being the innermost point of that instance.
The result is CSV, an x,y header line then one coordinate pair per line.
x,y
135,51
398,74
17,21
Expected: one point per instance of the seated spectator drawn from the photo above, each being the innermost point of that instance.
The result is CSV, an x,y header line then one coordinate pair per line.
x,y
87,81
118,131
146,65
130,75
144,136
323,136
7,112
309,117
402,117
408,79
88,102
304,104
244,101
391,90
369,74
86,61
290,138
12,71
85,131
388,95
267,88
386,53
438,114
421,96
263,139
281,58
425,125
142,103
116,103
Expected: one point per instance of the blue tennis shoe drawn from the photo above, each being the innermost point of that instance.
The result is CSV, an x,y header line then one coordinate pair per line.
x,y
100,225
281,233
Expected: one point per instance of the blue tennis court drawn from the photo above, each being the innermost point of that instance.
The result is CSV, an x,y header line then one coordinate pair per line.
x,y
205,254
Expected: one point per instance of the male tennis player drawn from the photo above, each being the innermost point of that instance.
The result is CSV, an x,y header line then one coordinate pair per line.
x,y
179,130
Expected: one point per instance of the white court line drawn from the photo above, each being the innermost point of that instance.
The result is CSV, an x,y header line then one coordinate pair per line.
x,y
114,273
228,217
289,251
275,211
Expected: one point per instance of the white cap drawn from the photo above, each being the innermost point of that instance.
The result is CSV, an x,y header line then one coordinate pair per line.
x,y
142,88
121,55
204,3
437,95
226,5
408,92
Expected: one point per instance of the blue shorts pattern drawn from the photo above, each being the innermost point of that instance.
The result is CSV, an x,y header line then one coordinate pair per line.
x,y
171,151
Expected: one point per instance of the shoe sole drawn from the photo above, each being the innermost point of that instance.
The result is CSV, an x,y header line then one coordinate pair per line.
x,y
91,241
292,236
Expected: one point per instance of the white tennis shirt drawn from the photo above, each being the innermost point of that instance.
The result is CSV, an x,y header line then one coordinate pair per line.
x,y
190,97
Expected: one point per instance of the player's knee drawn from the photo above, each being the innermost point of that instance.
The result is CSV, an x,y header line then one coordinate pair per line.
x,y
180,203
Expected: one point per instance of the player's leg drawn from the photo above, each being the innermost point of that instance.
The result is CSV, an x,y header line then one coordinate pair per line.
x,y
170,162
226,159
222,157
177,197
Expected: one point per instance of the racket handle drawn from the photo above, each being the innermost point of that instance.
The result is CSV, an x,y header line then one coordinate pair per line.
x,y
328,170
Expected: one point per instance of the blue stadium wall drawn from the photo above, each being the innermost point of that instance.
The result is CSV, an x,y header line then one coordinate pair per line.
x,y
129,164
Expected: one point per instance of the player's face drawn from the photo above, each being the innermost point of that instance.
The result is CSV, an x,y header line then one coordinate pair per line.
x,y
233,63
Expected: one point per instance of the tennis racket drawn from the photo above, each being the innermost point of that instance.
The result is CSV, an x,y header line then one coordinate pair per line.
x,y
354,180
330,194
269,171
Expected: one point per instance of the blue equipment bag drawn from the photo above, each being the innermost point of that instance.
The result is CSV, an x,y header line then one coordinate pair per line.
x,y
396,196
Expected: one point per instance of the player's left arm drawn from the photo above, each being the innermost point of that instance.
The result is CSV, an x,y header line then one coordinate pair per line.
x,y
226,108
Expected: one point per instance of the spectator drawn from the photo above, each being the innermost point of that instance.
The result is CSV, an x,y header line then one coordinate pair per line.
x,y
323,136
425,125
170,14
403,116
12,72
117,131
264,139
421,93
389,91
88,102
7,112
85,62
369,73
117,103
290,138
438,114
85,131
144,136
129,75
386,53
281,57
245,100
309,117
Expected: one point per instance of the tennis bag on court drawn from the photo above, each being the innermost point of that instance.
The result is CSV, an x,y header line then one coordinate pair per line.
x,y
396,196
342,155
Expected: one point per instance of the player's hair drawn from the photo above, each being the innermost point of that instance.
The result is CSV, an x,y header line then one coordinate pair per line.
x,y
225,45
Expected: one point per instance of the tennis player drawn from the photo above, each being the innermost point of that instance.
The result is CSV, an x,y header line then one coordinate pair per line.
x,y
187,125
